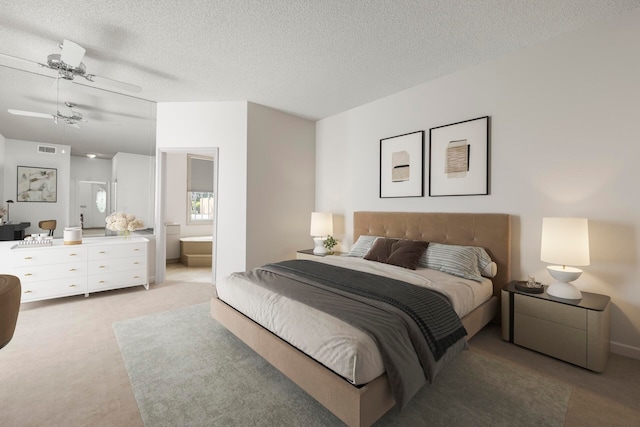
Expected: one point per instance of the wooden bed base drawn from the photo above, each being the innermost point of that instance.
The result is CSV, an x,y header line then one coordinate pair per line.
x,y
355,406
362,406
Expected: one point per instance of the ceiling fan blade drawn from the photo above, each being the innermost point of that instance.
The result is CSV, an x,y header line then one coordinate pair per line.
x,y
31,114
113,83
72,53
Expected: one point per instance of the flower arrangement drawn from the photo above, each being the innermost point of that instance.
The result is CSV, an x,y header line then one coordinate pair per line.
x,y
329,243
123,223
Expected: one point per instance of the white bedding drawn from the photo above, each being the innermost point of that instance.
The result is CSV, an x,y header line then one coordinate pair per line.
x,y
339,346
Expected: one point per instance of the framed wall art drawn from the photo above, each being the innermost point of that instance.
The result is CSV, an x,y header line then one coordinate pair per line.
x,y
459,158
402,165
37,184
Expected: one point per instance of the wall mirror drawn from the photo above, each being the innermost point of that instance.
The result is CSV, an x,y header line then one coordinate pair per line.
x,y
117,130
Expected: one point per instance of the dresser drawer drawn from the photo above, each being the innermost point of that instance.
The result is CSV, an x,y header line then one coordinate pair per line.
x,y
47,255
38,273
574,317
119,279
117,250
117,264
54,288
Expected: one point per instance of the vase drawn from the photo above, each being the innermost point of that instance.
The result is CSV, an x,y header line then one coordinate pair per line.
x,y
126,234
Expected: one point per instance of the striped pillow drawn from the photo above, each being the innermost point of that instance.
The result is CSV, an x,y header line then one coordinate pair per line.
x,y
463,261
362,246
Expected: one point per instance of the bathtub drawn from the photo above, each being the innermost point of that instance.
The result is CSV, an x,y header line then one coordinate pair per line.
x,y
196,251
197,239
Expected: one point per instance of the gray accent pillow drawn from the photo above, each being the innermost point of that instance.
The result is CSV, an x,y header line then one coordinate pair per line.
x,y
402,253
362,246
462,261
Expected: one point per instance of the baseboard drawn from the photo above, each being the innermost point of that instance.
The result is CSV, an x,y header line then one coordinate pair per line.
x,y
625,350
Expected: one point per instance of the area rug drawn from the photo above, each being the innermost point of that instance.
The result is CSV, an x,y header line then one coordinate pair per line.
x,y
188,370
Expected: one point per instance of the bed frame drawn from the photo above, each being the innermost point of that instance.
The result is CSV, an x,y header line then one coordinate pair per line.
x,y
363,405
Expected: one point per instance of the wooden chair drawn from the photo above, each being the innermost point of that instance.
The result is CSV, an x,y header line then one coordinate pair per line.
x,y
49,224
10,292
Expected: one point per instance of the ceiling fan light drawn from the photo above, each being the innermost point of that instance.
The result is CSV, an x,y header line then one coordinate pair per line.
x,y
91,155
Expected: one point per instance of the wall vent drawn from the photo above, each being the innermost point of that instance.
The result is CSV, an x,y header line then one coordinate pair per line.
x,y
46,149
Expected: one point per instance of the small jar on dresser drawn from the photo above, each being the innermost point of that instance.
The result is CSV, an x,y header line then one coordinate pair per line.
x,y
576,331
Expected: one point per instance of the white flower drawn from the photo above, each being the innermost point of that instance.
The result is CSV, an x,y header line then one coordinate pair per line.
x,y
120,221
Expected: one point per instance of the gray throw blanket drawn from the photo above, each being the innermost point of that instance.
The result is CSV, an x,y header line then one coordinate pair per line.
x,y
415,328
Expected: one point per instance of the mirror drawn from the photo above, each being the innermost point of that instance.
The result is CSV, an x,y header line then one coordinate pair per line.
x,y
118,130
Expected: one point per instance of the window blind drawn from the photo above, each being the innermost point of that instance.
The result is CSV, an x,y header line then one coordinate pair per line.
x,y
200,174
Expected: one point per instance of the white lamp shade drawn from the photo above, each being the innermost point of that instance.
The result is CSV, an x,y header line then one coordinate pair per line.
x,y
321,224
565,241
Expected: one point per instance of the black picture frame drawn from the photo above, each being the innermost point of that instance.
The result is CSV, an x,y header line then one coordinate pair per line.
x,y
402,165
37,184
459,158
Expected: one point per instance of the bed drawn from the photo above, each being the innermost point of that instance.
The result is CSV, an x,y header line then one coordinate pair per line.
x,y
362,405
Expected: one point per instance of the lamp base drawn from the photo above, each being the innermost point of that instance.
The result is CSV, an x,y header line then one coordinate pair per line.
x,y
561,288
564,290
319,248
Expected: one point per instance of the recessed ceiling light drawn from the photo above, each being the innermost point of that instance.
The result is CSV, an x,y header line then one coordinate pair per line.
x,y
91,156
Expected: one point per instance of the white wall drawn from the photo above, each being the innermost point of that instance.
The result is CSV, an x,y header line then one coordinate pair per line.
x,y
191,125
265,176
281,182
25,153
564,142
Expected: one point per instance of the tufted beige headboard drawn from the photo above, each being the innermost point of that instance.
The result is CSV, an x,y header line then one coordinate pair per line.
x,y
490,231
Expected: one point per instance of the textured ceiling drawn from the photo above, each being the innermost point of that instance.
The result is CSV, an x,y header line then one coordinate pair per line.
x,y
313,59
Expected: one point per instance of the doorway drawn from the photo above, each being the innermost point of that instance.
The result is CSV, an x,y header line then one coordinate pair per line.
x,y
92,206
171,191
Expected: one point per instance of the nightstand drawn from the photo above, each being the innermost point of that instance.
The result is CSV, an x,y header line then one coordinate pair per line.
x,y
576,331
308,254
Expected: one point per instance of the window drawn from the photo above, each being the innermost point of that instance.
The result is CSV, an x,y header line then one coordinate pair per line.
x,y
199,189
200,206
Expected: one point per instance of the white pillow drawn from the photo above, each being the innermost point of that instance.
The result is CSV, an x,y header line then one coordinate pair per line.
x,y
362,246
490,270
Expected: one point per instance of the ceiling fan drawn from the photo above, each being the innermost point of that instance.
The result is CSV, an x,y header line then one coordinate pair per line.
x,y
68,65
71,119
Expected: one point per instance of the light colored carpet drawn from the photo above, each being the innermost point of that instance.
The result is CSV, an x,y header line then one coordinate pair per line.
x,y
186,369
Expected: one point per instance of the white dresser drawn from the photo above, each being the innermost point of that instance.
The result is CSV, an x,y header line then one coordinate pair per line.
x,y
98,264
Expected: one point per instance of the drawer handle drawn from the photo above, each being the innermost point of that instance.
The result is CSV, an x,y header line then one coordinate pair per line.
x,y
136,277
28,257
102,266
27,291
72,269
101,281
136,250
102,252
136,263
28,274
72,254
72,286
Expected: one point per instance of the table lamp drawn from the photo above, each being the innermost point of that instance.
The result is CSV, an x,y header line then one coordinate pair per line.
x,y
321,227
565,241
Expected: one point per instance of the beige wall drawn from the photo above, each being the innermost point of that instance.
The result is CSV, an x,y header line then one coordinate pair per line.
x,y
564,142
281,184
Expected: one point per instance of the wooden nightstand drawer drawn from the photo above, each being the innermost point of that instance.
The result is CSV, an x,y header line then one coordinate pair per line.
x,y
551,338
567,315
